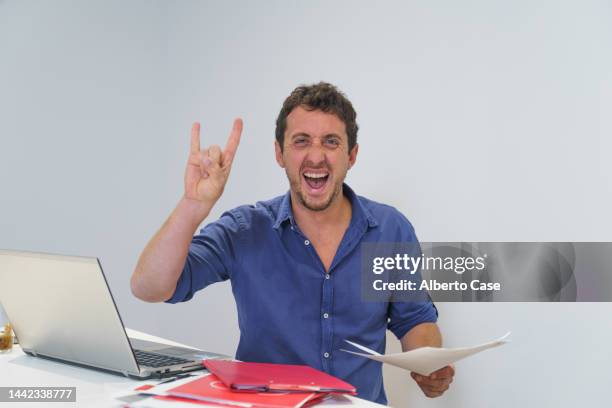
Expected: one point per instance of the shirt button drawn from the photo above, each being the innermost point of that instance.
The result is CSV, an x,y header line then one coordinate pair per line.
x,y
326,355
307,242
325,315
327,276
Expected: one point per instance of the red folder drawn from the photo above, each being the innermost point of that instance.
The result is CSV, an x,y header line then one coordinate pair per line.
x,y
211,390
315,400
265,377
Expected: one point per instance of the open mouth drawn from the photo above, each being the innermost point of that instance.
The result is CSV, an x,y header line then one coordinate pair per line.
x,y
316,181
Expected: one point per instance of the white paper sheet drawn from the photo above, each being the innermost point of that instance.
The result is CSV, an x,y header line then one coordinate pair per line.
x,y
426,360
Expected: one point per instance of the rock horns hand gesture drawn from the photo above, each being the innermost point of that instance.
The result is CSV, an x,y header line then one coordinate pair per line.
x,y
208,169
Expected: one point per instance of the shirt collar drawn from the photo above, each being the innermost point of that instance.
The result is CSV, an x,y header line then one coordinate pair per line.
x,y
360,212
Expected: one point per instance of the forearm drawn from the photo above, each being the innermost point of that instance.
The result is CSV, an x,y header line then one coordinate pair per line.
x,y
161,262
424,334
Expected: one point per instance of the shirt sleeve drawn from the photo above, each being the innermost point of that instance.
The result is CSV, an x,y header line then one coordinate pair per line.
x,y
404,315
211,257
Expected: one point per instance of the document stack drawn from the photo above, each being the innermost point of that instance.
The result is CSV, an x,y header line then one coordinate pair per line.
x,y
245,385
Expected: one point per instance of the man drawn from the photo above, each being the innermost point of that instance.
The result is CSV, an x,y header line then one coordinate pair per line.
x,y
293,261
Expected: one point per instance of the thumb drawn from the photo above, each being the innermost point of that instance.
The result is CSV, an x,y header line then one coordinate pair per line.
x,y
207,166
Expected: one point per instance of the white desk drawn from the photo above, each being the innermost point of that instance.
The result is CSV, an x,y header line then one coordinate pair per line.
x,y
93,388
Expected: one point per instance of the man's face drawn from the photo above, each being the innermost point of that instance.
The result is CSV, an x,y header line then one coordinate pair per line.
x,y
315,157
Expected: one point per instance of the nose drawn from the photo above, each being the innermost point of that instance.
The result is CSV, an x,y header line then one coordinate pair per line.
x,y
316,153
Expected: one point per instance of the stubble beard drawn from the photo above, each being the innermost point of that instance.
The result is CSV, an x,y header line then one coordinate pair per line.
x,y
296,189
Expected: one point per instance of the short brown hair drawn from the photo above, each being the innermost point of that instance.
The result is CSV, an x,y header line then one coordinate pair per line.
x,y
322,96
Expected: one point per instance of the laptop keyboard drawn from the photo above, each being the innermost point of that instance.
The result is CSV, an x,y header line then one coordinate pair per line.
x,y
149,359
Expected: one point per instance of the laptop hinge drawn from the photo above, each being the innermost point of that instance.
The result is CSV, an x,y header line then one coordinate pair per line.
x,y
125,373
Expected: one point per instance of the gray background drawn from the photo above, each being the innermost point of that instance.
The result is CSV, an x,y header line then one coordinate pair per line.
x,y
480,120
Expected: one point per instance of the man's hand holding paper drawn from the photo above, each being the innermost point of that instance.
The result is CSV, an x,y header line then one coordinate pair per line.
x,y
436,383
431,367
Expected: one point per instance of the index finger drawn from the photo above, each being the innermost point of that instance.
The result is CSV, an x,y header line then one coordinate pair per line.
x,y
232,142
195,138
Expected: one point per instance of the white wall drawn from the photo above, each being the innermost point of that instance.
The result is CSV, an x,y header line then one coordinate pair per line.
x,y
484,120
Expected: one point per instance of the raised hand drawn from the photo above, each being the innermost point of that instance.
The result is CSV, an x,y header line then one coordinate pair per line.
x,y
208,169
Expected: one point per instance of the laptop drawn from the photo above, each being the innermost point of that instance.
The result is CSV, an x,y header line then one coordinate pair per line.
x,y
61,308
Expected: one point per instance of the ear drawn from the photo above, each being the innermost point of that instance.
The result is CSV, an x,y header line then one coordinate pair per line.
x,y
353,155
279,154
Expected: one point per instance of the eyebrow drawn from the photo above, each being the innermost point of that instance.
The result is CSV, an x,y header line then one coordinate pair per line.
x,y
307,135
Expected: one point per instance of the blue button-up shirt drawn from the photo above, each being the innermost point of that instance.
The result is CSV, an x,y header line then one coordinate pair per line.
x,y
290,309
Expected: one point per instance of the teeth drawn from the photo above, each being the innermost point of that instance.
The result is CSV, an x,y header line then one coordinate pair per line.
x,y
315,175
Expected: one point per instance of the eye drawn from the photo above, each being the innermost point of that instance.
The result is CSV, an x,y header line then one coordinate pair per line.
x,y
332,142
300,141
